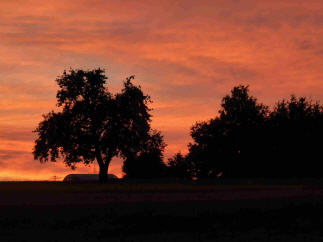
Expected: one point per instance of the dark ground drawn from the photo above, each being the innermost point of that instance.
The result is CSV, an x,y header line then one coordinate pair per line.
x,y
43,211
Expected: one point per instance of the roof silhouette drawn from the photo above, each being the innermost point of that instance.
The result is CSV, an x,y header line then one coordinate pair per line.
x,y
85,177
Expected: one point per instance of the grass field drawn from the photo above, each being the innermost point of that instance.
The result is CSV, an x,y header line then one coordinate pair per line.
x,y
49,211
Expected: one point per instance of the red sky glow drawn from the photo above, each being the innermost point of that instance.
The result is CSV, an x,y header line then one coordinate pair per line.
x,y
185,54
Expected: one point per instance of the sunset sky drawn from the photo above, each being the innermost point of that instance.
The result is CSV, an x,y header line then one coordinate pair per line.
x,y
186,54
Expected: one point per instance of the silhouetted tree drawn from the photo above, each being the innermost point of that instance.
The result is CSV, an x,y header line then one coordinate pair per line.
x,y
229,144
244,120
179,167
148,163
93,124
247,140
208,154
296,133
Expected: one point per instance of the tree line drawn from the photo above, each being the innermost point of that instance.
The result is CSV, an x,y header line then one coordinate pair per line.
x,y
245,140
248,140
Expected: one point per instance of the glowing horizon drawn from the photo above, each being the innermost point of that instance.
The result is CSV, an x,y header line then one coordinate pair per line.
x,y
185,55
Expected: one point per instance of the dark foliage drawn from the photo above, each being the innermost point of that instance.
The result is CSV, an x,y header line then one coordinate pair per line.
x,y
93,124
179,167
247,140
296,130
148,163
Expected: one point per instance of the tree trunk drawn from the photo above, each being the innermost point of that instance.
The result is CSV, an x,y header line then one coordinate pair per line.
x,y
103,174
103,164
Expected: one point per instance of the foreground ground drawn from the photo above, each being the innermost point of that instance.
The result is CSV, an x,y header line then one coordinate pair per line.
x,y
38,211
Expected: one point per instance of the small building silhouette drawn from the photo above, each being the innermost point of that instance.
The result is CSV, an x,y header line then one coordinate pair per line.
x,y
86,177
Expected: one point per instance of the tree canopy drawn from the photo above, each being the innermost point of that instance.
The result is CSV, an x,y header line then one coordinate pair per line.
x,y
228,144
93,124
148,163
296,130
248,140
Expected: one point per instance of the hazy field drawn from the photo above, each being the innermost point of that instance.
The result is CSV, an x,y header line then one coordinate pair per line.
x,y
48,211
